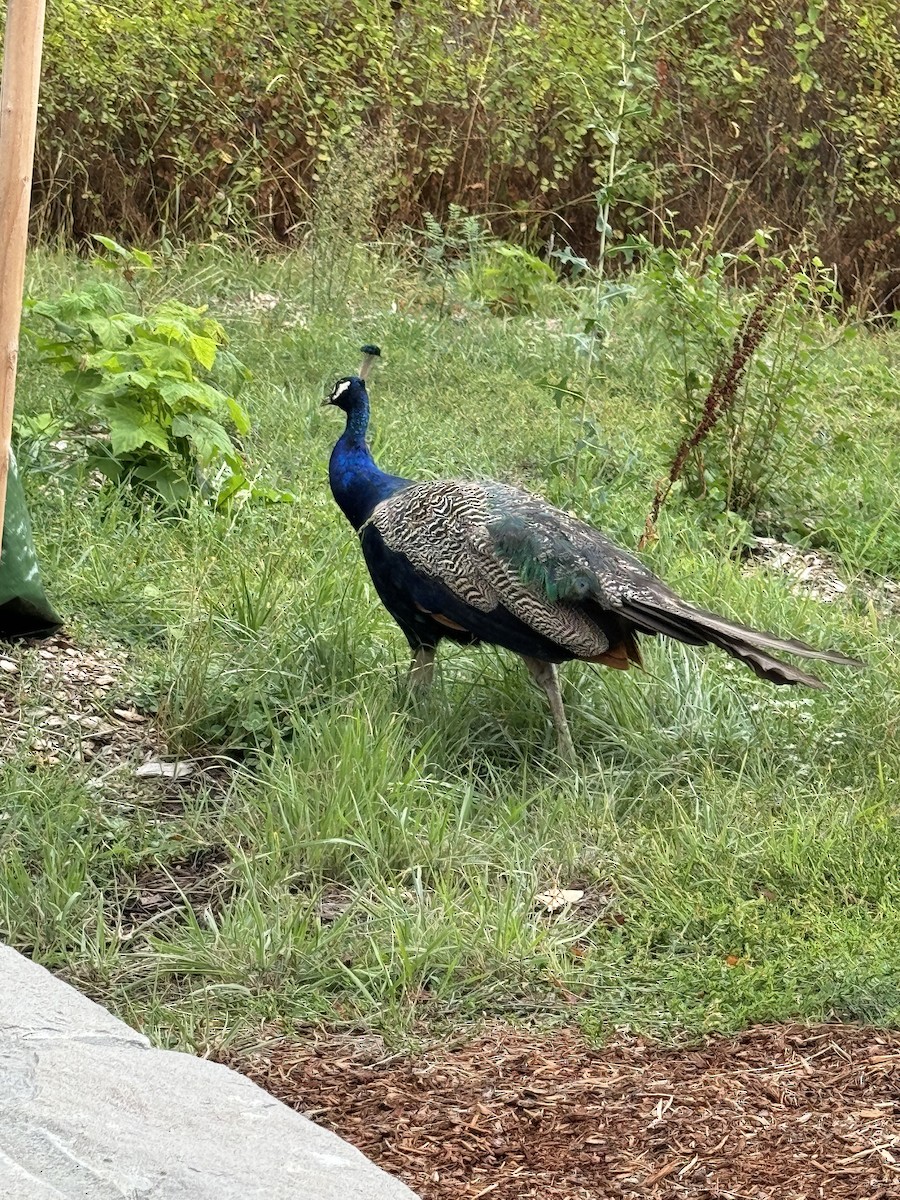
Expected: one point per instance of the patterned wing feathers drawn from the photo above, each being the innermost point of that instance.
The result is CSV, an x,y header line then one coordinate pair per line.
x,y
444,530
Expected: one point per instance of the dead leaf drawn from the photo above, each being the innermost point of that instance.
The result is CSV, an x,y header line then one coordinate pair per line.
x,y
156,769
557,899
130,714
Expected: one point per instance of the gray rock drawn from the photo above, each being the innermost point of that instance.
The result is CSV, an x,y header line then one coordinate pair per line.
x,y
89,1110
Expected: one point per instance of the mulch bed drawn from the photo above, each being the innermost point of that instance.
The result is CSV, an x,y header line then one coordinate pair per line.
x,y
776,1113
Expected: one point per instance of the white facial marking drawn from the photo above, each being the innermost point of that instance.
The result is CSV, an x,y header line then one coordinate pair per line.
x,y
339,390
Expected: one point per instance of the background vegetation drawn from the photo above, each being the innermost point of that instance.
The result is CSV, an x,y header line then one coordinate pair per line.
x,y
210,117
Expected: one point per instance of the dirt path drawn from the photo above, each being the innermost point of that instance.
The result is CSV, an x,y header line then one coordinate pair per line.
x,y
777,1113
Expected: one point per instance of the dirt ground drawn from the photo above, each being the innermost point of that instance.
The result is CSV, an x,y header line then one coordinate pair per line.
x,y
776,1113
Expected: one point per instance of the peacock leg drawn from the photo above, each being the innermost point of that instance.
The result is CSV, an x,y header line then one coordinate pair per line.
x,y
421,670
546,676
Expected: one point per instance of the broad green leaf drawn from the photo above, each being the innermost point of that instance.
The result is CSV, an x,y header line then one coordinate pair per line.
x,y
238,416
192,393
104,360
234,483
82,382
144,380
142,257
110,388
226,357
108,466
111,246
165,480
204,350
112,332
165,357
171,330
207,436
135,383
129,429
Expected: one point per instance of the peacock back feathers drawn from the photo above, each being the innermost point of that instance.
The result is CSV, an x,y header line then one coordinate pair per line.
x,y
495,546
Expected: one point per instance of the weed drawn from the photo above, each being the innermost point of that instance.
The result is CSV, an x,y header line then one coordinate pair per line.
x,y
740,369
222,120
353,177
477,266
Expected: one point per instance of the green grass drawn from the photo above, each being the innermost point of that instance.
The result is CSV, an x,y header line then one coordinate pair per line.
x,y
738,845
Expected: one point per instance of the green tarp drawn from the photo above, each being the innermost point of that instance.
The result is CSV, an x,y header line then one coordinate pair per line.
x,y
25,610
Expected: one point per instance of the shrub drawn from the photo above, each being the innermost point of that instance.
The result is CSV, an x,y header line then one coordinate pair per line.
x,y
142,380
212,116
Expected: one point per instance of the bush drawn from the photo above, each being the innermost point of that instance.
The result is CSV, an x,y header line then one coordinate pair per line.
x,y
205,116
142,382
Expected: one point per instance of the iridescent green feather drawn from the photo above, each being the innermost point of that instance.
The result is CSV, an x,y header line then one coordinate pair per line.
x,y
538,549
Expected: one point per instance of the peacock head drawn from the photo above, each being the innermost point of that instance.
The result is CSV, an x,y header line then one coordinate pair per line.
x,y
348,393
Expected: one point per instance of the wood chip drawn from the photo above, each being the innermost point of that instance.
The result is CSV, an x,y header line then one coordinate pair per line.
x,y
130,714
555,899
156,769
516,1114
669,1169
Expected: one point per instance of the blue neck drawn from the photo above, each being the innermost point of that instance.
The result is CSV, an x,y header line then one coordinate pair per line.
x,y
356,482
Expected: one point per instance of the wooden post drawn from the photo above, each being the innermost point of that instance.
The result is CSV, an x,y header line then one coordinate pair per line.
x,y
18,120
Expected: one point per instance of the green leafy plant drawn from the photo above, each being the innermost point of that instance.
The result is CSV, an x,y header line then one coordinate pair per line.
x,y
145,384
34,433
507,278
442,246
740,367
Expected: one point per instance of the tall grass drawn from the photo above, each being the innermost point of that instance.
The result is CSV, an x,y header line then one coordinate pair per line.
x,y
737,845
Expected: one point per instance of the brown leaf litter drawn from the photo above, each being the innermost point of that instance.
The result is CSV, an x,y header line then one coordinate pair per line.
x,y
63,702
200,881
775,1113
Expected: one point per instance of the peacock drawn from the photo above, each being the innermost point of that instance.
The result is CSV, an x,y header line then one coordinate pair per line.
x,y
481,561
